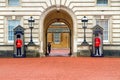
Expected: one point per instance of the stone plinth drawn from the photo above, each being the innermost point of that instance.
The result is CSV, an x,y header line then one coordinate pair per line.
x,y
84,51
32,51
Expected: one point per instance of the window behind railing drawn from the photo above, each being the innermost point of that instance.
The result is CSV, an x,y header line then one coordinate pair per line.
x,y
57,38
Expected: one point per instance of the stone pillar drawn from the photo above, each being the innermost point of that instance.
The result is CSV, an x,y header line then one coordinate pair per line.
x,y
41,51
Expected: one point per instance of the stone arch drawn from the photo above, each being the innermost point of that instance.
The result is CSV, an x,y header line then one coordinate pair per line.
x,y
65,15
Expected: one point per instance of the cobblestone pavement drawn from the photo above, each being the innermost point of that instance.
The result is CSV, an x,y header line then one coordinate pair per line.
x,y
60,68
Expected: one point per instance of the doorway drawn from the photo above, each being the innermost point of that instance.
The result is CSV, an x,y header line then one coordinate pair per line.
x,y
58,35
58,17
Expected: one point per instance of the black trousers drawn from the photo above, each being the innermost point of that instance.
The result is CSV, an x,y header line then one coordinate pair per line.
x,y
49,50
18,51
97,50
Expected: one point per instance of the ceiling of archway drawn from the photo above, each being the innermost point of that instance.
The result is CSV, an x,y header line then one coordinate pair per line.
x,y
58,16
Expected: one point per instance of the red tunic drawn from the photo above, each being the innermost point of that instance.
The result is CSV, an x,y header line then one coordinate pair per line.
x,y
18,43
97,42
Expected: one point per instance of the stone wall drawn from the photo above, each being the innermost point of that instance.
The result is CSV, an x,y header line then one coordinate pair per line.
x,y
78,9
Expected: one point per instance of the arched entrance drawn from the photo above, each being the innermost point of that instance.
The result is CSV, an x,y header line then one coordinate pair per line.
x,y
52,15
56,16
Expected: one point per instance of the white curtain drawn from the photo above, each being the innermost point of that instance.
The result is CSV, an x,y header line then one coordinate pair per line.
x,y
104,25
11,25
13,2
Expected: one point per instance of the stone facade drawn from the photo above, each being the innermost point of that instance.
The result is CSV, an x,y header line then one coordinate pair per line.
x,y
73,9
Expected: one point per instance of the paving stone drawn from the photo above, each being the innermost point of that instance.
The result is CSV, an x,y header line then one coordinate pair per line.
x,y
60,68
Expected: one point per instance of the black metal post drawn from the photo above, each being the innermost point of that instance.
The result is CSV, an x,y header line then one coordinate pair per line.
x,y
84,33
84,36
31,41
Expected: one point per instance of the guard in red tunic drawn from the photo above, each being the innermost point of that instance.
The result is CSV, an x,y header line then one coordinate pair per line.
x,y
97,44
18,45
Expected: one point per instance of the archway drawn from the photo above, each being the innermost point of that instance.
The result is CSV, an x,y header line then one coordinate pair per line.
x,y
58,16
64,15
